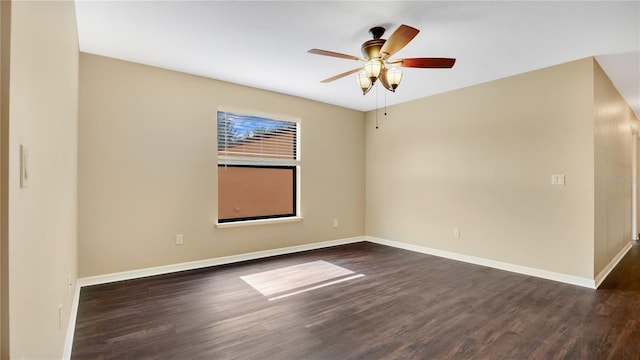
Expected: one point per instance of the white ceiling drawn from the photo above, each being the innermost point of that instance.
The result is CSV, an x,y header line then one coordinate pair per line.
x,y
264,44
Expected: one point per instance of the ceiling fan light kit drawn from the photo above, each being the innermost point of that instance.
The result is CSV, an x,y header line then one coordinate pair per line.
x,y
372,69
364,82
393,77
376,54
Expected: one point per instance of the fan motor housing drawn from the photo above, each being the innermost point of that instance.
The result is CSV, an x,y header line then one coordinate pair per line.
x,y
371,48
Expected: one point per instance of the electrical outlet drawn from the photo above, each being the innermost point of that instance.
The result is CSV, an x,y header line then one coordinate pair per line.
x,y
335,223
557,179
179,239
456,233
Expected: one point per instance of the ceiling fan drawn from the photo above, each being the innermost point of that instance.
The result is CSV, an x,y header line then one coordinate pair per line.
x,y
377,62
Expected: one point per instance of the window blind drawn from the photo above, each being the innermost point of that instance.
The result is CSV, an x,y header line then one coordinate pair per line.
x,y
245,139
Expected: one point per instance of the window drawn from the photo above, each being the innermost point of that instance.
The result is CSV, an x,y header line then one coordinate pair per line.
x,y
258,168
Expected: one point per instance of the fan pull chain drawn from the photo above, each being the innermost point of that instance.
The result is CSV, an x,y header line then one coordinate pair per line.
x,y
385,103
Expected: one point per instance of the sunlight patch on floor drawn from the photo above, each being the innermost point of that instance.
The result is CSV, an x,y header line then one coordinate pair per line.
x,y
299,278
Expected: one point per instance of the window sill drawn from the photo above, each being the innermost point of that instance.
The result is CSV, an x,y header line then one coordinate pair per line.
x,y
258,222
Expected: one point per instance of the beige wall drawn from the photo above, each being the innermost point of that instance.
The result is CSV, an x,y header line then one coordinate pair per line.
x,y
42,218
148,168
613,120
480,159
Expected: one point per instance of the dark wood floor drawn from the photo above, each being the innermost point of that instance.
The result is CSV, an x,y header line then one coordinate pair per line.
x,y
407,306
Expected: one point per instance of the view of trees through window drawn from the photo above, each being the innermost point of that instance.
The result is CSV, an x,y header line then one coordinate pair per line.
x,y
257,167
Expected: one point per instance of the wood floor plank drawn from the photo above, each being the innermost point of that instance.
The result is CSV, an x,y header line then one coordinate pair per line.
x,y
406,306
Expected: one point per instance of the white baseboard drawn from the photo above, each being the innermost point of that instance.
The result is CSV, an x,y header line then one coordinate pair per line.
x,y
549,275
166,269
71,326
612,264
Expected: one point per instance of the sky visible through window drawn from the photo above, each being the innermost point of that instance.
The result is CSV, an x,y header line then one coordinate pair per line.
x,y
237,126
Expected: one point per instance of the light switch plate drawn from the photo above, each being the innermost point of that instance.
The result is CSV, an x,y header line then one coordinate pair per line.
x,y
24,166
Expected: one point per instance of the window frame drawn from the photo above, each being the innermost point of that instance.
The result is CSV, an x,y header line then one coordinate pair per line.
x,y
294,165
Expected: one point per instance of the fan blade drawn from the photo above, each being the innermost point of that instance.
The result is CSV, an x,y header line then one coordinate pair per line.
x,y
333,54
398,40
425,62
339,76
